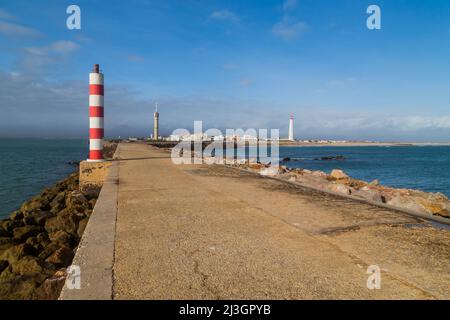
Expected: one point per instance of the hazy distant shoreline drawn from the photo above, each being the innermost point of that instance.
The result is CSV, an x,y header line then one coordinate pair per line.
x,y
362,144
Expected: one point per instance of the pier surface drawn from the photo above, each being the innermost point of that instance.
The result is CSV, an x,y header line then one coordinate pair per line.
x,y
212,232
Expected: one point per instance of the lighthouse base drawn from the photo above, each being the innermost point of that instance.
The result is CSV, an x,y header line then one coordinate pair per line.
x,y
92,176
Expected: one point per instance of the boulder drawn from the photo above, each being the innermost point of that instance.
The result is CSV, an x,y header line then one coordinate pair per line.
x,y
3,265
48,250
339,188
407,202
19,288
67,220
76,198
37,218
374,183
317,173
58,203
36,203
92,203
62,257
7,275
51,288
270,171
17,252
32,266
34,243
5,243
21,234
368,194
16,215
9,225
337,174
43,239
82,226
4,233
340,158
62,238
256,166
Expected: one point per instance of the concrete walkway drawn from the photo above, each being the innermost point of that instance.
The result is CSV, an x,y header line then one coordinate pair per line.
x,y
210,232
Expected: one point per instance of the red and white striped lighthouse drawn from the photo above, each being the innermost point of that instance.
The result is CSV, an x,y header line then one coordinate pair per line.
x,y
96,123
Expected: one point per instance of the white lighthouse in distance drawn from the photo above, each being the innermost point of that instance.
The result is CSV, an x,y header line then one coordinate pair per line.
x,y
291,128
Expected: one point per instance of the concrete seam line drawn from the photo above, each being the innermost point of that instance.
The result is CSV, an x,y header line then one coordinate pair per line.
x,y
116,156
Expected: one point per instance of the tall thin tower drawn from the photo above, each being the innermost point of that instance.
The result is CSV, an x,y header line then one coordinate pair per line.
x,y
96,123
156,123
291,128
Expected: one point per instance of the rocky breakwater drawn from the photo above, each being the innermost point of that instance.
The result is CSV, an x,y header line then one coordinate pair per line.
x,y
339,182
38,241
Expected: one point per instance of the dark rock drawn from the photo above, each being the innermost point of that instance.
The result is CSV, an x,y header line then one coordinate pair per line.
x,y
7,275
17,252
62,238
330,158
36,203
67,220
16,215
21,234
32,266
77,201
34,243
43,239
37,218
51,287
58,203
48,250
82,226
19,288
5,243
92,203
61,257
287,159
4,233
9,225
3,265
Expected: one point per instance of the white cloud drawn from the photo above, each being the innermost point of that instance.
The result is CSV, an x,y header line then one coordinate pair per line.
x,y
224,15
17,30
289,28
135,58
229,66
5,15
380,122
36,59
289,5
63,47
246,82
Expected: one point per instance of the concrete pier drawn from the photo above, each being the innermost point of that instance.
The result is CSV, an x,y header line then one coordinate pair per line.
x,y
161,231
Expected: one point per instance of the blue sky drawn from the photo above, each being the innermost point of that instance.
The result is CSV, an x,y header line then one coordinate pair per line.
x,y
231,64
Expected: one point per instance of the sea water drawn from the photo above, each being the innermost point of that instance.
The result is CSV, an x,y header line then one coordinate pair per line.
x,y
28,165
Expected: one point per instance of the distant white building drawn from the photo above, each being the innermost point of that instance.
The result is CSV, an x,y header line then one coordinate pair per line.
x,y
291,128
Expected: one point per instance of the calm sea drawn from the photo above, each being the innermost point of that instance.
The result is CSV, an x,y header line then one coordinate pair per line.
x,y
415,167
27,166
